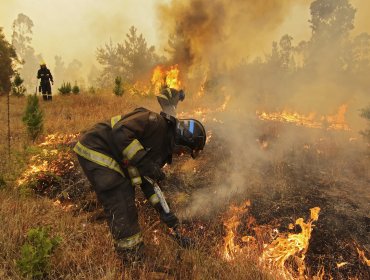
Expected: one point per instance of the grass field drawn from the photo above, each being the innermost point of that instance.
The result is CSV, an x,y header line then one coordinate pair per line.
x,y
86,250
240,200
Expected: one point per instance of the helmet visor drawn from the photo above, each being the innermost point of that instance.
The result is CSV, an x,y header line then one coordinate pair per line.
x,y
191,134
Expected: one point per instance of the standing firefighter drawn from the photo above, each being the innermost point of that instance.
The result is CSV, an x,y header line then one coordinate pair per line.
x,y
45,75
168,99
129,151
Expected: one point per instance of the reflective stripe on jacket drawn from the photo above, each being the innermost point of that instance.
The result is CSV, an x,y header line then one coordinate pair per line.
x,y
115,143
97,157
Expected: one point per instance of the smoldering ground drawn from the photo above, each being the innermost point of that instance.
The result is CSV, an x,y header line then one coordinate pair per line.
x,y
211,42
284,167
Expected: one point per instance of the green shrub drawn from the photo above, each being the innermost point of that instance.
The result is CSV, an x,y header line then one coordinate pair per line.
x,y
17,86
65,88
118,89
76,89
33,117
34,262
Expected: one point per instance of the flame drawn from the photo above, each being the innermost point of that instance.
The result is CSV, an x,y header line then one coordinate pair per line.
x,y
42,161
337,121
363,258
202,86
275,254
339,265
291,117
58,138
231,224
294,245
331,122
163,77
38,164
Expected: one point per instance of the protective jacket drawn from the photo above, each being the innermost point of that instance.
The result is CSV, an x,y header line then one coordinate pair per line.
x,y
129,142
45,75
115,156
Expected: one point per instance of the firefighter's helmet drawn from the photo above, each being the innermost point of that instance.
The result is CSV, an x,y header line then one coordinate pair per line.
x,y
190,136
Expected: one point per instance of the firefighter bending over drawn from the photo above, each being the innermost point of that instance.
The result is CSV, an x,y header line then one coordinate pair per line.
x,y
168,99
118,154
45,75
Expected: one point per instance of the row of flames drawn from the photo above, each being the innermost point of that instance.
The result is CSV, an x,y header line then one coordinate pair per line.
x,y
170,77
330,122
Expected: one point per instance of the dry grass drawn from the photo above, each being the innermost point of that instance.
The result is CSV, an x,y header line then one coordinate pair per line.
x,y
86,251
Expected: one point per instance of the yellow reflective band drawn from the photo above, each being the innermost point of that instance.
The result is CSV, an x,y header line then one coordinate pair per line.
x,y
136,181
162,96
169,92
129,242
97,157
130,151
115,120
154,199
134,174
133,171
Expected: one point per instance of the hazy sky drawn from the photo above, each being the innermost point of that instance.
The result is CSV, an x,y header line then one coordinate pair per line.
x,y
75,28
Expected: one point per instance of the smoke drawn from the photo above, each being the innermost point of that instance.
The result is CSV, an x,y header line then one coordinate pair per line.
x,y
226,30
317,77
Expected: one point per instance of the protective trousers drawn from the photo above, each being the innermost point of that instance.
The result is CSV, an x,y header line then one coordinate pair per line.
x,y
46,90
117,196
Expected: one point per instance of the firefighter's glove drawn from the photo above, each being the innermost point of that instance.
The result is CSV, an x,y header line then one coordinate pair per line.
x,y
169,219
151,169
158,174
183,241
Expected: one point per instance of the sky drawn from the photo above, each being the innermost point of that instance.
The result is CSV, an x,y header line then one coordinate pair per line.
x,y
74,29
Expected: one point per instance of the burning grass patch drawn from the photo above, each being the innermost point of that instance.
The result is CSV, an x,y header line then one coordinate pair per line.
x,y
54,172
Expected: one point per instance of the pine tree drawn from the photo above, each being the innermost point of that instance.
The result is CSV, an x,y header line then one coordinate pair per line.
x,y
118,90
18,88
75,89
65,88
33,117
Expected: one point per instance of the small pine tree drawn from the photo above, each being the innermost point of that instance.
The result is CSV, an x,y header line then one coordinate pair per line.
x,y
65,88
118,90
36,253
33,117
76,89
17,86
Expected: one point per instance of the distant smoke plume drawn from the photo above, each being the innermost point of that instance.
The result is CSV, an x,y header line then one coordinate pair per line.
x,y
227,30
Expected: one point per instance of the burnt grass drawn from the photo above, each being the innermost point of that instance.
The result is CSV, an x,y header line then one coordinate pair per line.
x,y
309,180
334,179
340,230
